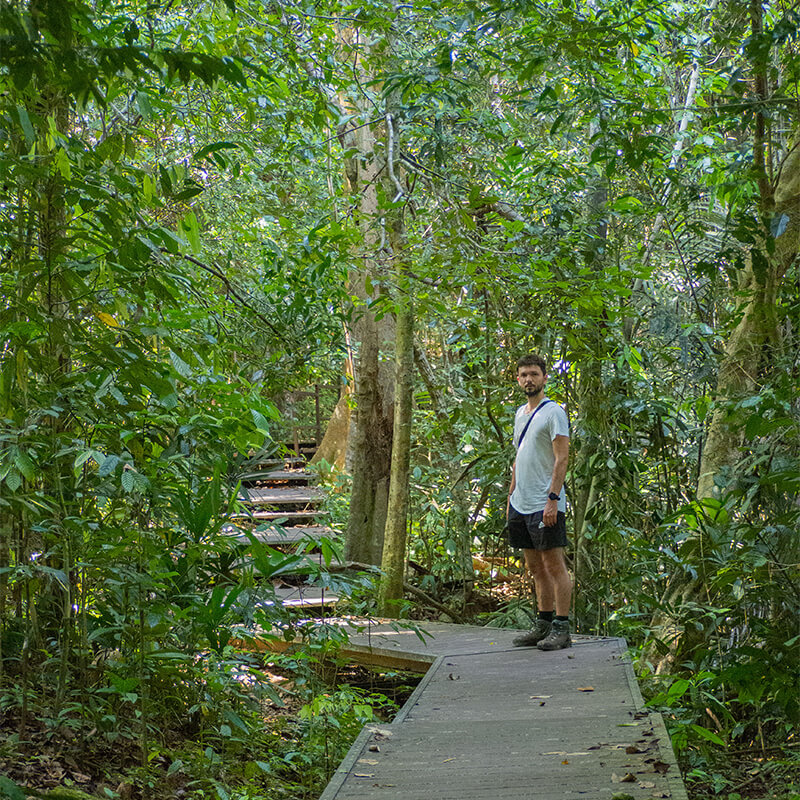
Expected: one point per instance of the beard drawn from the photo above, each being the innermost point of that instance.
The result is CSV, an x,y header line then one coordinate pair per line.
x,y
533,390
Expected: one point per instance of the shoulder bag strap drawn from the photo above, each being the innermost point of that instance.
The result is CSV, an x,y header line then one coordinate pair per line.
x,y
530,419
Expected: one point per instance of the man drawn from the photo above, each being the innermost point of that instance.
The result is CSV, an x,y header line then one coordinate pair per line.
x,y
536,505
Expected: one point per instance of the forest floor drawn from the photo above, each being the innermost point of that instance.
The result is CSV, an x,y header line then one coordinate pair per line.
x,y
299,743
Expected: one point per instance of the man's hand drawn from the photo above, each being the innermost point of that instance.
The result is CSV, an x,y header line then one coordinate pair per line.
x,y
550,515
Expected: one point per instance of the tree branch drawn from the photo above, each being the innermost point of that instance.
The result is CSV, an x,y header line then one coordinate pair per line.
x,y
217,273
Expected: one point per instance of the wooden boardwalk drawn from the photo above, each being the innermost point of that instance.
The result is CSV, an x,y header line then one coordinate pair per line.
x,y
493,721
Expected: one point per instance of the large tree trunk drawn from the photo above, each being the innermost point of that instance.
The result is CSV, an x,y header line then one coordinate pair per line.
x,y
371,336
394,547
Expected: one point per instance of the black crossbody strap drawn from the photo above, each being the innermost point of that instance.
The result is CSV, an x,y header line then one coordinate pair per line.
x,y
530,419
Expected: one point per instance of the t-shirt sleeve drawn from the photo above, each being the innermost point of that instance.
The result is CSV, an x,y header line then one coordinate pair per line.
x,y
559,424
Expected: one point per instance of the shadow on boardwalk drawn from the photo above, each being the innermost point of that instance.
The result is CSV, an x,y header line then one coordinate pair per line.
x,y
492,721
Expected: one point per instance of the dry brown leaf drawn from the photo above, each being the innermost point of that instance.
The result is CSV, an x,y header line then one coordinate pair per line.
x,y
370,761
646,785
363,774
565,761
586,688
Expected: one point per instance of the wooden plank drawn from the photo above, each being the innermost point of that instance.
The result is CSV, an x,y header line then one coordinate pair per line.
x,y
272,516
288,495
291,476
306,596
275,535
491,720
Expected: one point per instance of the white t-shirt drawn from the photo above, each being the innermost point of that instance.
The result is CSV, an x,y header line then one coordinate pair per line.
x,y
535,458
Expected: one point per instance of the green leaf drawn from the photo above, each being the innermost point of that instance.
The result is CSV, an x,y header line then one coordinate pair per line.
x,y
108,466
191,230
128,481
678,689
13,480
145,109
236,720
25,124
705,733
174,767
10,790
181,367
25,465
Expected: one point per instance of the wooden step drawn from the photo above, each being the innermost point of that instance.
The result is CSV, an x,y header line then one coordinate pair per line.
x,y
273,516
281,495
274,535
295,476
304,597
276,470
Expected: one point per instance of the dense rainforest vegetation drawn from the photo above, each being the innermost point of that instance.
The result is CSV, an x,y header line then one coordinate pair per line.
x,y
208,205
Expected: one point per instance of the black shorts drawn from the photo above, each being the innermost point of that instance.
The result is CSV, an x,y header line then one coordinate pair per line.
x,y
525,531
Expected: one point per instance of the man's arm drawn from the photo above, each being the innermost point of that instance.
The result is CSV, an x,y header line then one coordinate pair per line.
x,y
512,487
561,453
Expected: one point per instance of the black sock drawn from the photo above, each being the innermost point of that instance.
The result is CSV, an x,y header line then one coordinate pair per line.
x,y
547,616
562,619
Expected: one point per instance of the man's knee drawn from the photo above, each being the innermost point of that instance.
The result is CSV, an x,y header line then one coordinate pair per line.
x,y
553,561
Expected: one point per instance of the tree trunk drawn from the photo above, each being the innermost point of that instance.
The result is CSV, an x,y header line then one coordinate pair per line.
x,y
394,546
371,177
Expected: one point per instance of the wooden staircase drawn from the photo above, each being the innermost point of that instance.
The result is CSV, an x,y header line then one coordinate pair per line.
x,y
280,507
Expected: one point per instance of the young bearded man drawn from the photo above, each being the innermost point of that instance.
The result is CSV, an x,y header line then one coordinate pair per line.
x,y
536,505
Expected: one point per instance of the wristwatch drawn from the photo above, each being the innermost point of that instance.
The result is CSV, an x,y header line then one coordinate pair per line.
x,y
553,496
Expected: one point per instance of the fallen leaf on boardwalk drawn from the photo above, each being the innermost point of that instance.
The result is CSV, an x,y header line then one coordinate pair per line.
x,y
622,796
586,688
370,761
448,759
628,725
456,678
565,761
363,774
555,753
660,767
632,749
646,785
629,777
541,696
373,748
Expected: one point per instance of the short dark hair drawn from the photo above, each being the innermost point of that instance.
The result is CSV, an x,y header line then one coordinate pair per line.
x,y
532,360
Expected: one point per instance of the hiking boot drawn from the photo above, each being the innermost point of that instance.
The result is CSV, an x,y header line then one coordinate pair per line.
x,y
533,636
558,638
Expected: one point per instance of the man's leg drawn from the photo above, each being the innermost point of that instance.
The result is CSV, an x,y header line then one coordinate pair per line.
x,y
555,565
558,579
545,599
542,580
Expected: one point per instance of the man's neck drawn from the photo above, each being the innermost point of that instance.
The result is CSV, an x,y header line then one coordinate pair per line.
x,y
534,401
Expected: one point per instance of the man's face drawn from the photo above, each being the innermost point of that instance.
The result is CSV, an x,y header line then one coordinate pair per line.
x,y
531,380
